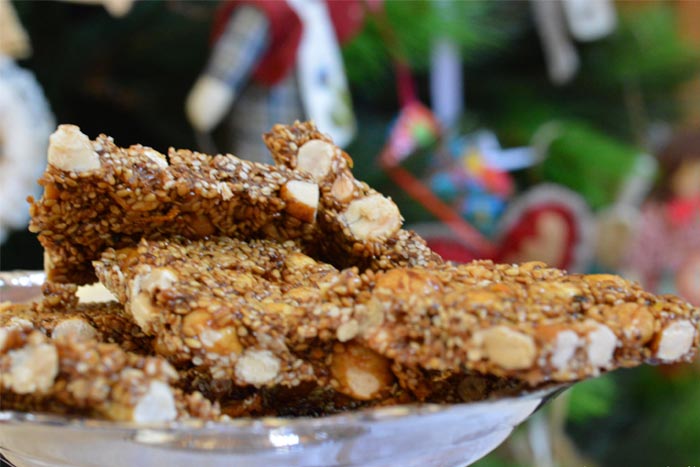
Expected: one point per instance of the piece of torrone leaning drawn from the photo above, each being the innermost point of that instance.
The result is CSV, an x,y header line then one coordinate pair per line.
x,y
528,322
218,302
98,195
76,374
261,314
361,226
244,312
105,322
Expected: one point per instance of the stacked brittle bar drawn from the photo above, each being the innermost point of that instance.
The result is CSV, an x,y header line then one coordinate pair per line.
x,y
246,289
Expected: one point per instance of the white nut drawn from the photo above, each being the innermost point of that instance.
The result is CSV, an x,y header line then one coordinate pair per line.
x,y
348,330
32,369
507,348
601,346
71,150
157,405
224,190
19,323
676,340
257,367
301,198
343,188
76,327
141,289
156,157
374,217
315,157
363,385
565,346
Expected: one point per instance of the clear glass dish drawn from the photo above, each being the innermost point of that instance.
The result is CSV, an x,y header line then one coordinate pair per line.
x,y
411,435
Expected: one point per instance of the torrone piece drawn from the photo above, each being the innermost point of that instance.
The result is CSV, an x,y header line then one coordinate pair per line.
x,y
98,195
528,322
80,375
271,304
231,308
360,226
260,314
60,316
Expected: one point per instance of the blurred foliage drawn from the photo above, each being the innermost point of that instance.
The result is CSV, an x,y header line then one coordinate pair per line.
x,y
654,419
478,28
591,399
645,49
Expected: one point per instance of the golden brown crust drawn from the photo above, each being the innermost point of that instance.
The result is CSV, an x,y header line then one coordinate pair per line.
x,y
360,226
71,374
105,321
135,193
243,311
527,321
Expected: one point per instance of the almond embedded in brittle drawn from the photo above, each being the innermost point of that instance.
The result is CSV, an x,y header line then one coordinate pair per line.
x,y
360,372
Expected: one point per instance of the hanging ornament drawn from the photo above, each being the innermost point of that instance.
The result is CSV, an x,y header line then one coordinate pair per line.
x,y
25,125
275,62
590,20
664,250
559,52
13,38
474,177
116,8
323,86
416,128
548,223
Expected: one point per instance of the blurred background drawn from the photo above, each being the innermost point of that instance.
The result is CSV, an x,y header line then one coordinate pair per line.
x,y
561,130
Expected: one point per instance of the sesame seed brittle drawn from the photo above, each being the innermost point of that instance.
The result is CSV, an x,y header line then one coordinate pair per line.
x,y
360,226
75,374
98,195
527,322
247,289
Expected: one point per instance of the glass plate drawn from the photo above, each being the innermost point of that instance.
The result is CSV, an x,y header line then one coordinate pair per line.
x,y
410,435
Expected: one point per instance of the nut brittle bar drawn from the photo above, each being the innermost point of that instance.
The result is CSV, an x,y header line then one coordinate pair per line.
x,y
233,314
78,375
236,309
361,226
98,195
525,321
529,322
61,316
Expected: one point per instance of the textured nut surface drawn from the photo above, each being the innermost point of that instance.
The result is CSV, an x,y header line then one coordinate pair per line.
x,y
299,261
406,281
507,348
348,330
71,150
223,341
675,341
32,368
315,157
156,157
601,345
157,405
75,327
343,188
143,286
195,322
257,367
565,346
374,217
302,199
360,372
